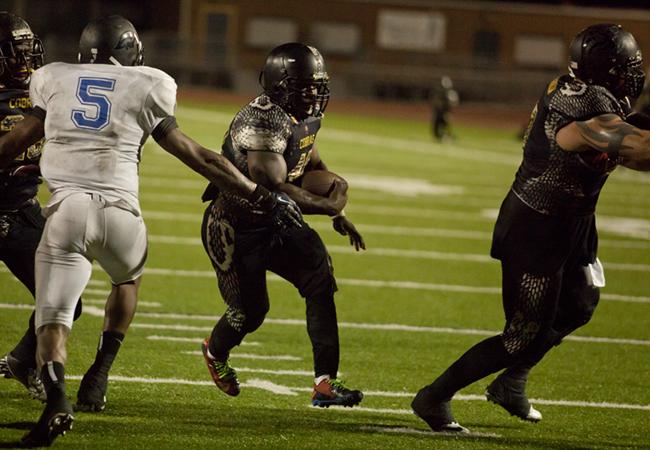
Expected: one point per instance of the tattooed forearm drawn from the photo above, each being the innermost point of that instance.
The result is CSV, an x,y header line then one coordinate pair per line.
x,y
606,133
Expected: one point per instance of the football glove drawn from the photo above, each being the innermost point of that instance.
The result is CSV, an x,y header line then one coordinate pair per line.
x,y
281,210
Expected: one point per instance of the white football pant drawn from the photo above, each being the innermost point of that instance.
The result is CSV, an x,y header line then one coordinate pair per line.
x,y
84,227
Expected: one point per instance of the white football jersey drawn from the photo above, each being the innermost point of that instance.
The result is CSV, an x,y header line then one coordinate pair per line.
x,y
98,116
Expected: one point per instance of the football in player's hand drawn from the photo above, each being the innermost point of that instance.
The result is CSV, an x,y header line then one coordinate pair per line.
x,y
320,182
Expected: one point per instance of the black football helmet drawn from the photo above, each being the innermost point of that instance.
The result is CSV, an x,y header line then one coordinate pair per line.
x,y
21,52
111,40
607,55
295,78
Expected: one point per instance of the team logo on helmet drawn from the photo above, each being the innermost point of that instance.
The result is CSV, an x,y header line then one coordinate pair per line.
x,y
128,40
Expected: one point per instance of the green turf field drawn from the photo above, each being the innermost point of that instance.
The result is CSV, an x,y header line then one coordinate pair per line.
x,y
423,293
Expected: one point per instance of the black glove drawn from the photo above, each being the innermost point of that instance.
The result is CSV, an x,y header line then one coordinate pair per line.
x,y
280,208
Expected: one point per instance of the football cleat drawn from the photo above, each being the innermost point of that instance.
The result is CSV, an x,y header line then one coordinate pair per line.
x,y
437,414
91,396
222,373
332,392
509,393
55,420
12,367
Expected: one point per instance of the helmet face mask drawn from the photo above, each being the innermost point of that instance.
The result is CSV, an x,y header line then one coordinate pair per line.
x,y
307,98
21,52
111,40
608,56
294,77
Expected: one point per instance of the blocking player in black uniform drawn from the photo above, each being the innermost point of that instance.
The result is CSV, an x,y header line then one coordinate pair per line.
x,y
21,223
271,141
545,235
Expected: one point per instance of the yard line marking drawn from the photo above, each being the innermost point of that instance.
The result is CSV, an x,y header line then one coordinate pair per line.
x,y
394,230
356,208
419,432
175,327
268,386
461,397
251,356
306,373
402,253
394,327
481,290
196,340
102,292
87,301
97,283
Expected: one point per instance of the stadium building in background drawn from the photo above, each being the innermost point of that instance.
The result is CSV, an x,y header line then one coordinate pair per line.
x,y
385,49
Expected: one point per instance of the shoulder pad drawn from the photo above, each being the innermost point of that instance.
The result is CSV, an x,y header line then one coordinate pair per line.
x,y
579,101
261,126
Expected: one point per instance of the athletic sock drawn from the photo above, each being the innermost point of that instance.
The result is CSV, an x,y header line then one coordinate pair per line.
x,y
483,359
321,378
53,377
109,344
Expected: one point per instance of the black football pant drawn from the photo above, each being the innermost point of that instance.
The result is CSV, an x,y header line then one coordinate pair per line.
x,y
20,233
540,311
576,304
241,260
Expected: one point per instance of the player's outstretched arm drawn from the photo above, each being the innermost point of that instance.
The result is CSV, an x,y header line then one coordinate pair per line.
x,y
26,132
223,174
211,165
608,133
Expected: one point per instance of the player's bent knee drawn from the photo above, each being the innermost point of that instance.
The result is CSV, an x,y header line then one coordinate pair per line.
x,y
589,298
255,319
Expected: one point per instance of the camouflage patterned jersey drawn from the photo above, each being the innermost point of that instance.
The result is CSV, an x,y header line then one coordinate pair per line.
x,y
18,182
551,180
263,126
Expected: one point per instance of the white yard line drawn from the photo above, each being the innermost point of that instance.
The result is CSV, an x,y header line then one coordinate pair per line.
x,y
381,327
394,230
414,285
255,383
87,301
235,355
196,340
401,253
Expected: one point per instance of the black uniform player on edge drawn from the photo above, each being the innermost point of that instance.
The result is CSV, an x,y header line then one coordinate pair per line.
x,y
545,235
271,141
21,223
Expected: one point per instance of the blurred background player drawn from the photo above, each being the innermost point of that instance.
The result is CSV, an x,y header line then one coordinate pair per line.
x,y
95,116
443,99
271,141
545,235
21,222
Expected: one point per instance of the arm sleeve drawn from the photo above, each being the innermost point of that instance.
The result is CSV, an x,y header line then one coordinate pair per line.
x,y
164,126
37,93
160,104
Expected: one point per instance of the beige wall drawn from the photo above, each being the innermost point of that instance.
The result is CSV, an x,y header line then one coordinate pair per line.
x,y
464,18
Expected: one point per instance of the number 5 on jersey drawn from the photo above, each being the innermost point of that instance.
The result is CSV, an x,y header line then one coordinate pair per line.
x,y
89,93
